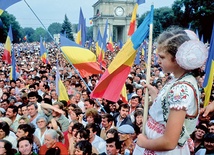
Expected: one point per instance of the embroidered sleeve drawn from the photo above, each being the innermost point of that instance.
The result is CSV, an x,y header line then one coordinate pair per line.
x,y
180,97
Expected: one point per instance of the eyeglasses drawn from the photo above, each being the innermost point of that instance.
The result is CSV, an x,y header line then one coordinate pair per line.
x,y
49,127
40,122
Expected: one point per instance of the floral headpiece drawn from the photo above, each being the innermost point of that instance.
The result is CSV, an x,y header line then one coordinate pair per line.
x,y
191,54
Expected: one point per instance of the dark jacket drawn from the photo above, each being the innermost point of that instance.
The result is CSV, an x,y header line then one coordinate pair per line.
x,y
127,120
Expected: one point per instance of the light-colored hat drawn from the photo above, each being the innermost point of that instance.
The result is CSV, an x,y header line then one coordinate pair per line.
x,y
126,129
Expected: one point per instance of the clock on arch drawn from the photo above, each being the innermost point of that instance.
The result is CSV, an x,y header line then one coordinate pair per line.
x,y
119,11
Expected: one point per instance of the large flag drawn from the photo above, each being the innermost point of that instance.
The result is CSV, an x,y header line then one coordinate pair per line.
x,y
8,47
4,4
83,59
134,16
81,34
60,88
209,71
43,52
111,83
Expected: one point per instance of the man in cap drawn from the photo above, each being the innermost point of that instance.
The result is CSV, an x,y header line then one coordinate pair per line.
x,y
125,137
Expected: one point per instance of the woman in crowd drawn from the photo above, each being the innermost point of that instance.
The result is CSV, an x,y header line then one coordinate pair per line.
x,y
83,148
26,130
41,122
197,136
25,146
112,133
4,134
52,141
6,148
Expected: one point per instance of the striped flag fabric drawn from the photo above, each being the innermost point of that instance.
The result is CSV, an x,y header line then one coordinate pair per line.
x,y
83,59
209,71
111,83
8,47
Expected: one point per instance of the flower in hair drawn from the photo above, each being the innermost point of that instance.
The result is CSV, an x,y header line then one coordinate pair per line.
x,y
191,54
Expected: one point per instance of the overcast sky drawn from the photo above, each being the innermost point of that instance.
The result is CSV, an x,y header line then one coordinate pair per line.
x,y
50,11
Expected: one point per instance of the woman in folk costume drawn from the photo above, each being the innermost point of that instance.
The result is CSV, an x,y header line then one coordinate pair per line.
x,y
175,109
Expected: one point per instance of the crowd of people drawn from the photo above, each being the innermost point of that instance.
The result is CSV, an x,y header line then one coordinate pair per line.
x,y
33,121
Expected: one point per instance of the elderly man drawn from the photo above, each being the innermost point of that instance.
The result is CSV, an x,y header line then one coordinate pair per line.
x,y
125,136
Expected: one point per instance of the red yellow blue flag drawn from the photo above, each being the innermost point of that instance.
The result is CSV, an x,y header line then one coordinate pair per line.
x,y
83,59
8,47
209,72
111,83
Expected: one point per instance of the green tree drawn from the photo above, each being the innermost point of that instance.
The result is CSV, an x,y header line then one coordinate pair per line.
x,y
39,32
200,13
7,20
54,28
66,27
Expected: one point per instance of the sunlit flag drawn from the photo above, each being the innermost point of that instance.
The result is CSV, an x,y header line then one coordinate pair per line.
x,y
83,59
81,33
112,81
209,71
60,88
110,45
99,49
8,47
134,16
43,52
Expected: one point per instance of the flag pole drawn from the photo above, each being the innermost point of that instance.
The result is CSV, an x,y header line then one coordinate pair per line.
x,y
148,70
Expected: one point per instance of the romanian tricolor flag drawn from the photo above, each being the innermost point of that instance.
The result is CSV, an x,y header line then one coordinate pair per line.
x,y
209,71
43,52
60,88
110,46
134,16
4,4
81,33
83,59
8,47
99,47
25,38
111,83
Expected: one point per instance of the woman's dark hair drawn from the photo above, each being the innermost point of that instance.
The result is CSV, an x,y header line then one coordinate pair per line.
x,y
8,147
53,151
27,128
84,133
30,140
5,127
114,132
209,137
84,146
